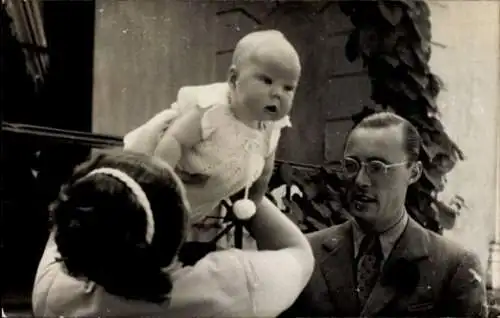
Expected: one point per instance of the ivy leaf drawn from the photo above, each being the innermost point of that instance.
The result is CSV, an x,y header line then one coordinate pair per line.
x,y
410,4
436,179
444,163
420,190
391,13
286,173
422,11
440,143
429,100
394,62
420,79
422,29
406,55
335,205
338,215
368,39
457,203
446,214
418,216
420,57
314,224
419,121
457,150
293,211
435,85
440,158
424,198
403,87
438,126
308,188
433,222
324,213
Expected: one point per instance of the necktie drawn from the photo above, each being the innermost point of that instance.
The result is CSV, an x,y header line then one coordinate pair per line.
x,y
369,261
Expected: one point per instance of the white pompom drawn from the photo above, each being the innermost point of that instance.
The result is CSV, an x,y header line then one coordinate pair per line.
x,y
244,209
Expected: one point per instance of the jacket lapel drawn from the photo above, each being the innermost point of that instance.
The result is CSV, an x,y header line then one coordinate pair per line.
x,y
412,246
337,268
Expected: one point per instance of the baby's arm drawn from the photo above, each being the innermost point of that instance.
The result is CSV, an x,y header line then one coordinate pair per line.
x,y
183,133
260,186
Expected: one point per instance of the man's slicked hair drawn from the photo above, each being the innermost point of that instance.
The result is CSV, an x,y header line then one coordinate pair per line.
x,y
412,138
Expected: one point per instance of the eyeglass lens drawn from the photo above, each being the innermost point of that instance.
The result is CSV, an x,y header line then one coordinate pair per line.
x,y
352,167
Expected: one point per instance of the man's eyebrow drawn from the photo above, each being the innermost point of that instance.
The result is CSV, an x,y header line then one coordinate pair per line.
x,y
376,158
371,158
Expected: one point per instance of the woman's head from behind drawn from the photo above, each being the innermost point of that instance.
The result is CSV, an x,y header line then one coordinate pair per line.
x,y
119,221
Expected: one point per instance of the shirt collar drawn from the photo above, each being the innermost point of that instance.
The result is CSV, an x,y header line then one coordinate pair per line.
x,y
387,239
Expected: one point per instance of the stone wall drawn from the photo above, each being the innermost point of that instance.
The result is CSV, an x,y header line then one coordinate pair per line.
x,y
466,56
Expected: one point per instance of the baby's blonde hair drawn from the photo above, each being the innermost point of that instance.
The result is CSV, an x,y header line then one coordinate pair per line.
x,y
250,43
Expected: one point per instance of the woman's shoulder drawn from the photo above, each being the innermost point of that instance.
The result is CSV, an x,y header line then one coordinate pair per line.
x,y
55,292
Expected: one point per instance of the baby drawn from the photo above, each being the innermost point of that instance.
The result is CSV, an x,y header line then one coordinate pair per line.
x,y
222,137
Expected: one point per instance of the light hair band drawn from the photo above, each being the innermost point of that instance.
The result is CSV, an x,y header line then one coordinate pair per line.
x,y
137,191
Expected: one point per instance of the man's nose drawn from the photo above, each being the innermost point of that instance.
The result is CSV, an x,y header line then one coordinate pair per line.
x,y
362,179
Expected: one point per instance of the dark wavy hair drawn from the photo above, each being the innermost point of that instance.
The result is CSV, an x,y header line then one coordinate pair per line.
x,y
100,226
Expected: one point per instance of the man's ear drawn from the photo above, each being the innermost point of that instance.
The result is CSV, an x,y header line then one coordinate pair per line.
x,y
232,75
416,171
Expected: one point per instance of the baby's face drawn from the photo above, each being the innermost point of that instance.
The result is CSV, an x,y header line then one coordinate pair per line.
x,y
265,84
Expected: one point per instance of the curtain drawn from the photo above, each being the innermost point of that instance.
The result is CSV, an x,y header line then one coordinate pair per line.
x,y
27,27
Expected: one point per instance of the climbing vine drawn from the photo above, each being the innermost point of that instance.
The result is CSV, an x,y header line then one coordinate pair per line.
x,y
392,38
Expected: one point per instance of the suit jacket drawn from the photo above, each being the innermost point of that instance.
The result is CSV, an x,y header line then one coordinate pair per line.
x,y
426,275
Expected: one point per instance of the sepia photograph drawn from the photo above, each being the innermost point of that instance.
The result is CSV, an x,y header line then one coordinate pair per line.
x,y
250,158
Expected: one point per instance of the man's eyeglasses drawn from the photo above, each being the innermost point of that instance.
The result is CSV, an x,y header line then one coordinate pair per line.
x,y
373,168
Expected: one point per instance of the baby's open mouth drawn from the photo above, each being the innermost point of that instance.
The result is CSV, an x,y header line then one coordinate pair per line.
x,y
271,108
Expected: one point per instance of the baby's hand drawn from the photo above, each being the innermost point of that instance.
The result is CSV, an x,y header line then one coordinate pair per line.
x,y
192,178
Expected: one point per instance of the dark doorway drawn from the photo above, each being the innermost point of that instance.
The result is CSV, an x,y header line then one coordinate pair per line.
x,y
33,168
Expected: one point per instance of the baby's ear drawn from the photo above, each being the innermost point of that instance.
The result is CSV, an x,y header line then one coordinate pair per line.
x,y
232,75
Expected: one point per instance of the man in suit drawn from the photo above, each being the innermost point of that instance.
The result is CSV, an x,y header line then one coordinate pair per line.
x,y
382,263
